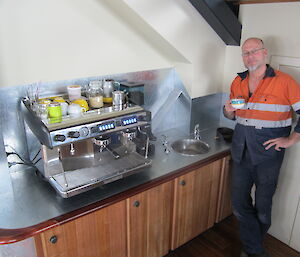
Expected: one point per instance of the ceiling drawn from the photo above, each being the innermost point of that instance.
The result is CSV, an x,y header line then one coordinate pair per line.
x,y
237,2
222,16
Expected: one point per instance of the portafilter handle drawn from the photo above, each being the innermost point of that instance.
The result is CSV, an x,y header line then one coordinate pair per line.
x,y
103,142
129,134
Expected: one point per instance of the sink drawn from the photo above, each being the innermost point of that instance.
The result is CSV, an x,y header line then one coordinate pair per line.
x,y
190,146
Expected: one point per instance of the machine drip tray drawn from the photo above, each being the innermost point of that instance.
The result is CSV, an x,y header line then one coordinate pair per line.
x,y
84,173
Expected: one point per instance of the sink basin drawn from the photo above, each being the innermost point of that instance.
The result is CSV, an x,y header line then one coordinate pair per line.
x,y
190,146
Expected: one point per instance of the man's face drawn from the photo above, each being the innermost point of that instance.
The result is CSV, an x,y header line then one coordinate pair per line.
x,y
254,55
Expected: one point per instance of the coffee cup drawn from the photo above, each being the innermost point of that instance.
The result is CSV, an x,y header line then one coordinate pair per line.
x,y
43,111
75,110
59,99
54,110
63,104
237,103
74,92
83,103
64,108
45,101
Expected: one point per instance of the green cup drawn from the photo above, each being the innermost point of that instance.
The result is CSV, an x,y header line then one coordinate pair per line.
x,y
54,110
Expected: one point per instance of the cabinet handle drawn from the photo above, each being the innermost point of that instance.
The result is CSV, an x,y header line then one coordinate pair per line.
x,y
53,239
182,182
136,204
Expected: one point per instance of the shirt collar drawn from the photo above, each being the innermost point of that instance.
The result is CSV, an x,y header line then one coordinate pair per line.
x,y
269,73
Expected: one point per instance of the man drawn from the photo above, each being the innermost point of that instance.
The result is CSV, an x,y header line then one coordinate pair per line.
x,y
260,137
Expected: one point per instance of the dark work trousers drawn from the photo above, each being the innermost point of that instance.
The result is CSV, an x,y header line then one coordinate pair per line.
x,y
254,217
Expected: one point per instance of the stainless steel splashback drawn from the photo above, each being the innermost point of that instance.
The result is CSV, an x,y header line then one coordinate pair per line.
x,y
165,97
207,111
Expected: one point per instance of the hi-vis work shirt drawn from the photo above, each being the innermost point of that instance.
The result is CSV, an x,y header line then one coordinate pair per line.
x,y
267,113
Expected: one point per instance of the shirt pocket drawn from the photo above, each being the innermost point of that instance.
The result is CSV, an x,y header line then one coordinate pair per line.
x,y
270,99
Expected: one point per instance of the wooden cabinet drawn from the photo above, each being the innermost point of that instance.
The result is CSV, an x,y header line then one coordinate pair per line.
x,y
195,202
101,233
224,202
149,222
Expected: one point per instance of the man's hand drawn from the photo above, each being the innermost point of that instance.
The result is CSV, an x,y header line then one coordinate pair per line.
x,y
229,111
282,142
228,106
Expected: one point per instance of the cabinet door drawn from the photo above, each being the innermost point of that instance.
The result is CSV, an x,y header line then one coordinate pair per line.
x,y
224,202
101,233
195,203
149,222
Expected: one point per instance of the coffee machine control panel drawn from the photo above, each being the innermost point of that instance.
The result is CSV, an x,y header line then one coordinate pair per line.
x,y
129,121
85,131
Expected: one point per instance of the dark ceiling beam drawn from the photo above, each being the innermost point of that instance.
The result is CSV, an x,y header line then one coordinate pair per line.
x,y
236,2
221,18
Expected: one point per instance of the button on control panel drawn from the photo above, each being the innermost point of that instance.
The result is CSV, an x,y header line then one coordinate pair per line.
x,y
59,138
74,134
94,130
85,131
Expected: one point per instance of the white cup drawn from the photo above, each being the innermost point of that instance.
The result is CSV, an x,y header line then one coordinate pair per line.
x,y
237,103
74,92
64,108
75,110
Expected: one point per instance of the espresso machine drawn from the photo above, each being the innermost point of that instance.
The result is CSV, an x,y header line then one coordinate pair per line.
x,y
99,147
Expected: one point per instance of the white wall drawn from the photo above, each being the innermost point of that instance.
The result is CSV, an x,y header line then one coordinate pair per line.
x,y
179,23
53,40
277,24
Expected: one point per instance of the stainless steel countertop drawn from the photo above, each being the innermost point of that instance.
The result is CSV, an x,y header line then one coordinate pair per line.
x,y
29,200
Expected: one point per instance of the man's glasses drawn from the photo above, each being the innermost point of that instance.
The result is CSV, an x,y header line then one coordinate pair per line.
x,y
252,52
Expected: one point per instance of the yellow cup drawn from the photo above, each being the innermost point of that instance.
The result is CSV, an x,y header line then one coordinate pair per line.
x,y
59,99
83,103
44,101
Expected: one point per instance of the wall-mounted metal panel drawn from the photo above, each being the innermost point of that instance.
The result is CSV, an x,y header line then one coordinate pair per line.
x,y
221,18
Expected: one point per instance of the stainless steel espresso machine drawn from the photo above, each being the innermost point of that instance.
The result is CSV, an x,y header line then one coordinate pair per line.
x,y
100,146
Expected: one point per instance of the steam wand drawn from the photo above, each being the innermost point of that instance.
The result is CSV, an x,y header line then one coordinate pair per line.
x,y
64,173
147,141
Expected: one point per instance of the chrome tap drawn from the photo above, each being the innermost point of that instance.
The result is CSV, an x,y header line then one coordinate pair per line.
x,y
197,132
165,143
72,149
